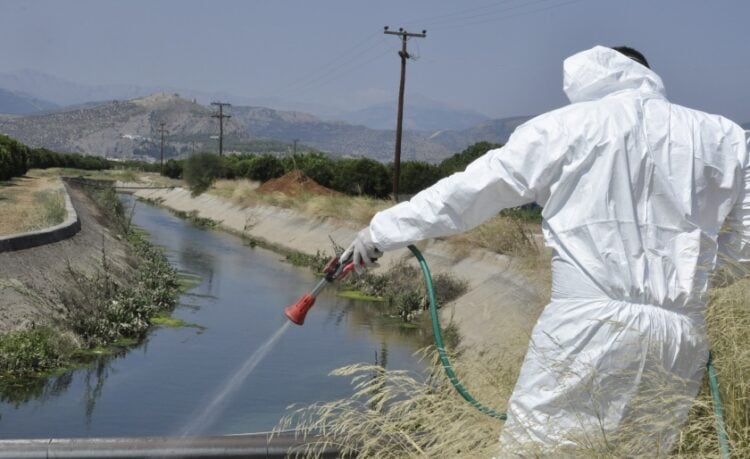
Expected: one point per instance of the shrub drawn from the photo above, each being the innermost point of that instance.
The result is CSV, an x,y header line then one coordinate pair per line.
x,y
14,158
362,176
201,170
459,161
264,167
416,176
172,169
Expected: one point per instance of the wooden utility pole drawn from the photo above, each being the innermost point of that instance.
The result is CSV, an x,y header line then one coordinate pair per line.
x,y
162,131
221,117
405,35
295,147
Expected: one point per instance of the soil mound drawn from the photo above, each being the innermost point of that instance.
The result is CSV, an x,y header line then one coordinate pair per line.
x,y
295,183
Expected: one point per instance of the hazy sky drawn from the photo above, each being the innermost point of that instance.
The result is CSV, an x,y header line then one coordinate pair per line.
x,y
501,58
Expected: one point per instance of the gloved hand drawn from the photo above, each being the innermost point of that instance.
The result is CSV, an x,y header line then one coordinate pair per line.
x,y
362,251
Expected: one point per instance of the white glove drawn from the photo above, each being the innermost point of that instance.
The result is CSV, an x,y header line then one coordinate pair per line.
x,y
362,251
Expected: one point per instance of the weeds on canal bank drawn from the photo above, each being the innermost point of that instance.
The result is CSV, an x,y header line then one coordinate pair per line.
x,y
104,309
403,291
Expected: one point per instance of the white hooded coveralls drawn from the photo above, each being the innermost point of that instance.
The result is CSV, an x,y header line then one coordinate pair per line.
x,y
635,190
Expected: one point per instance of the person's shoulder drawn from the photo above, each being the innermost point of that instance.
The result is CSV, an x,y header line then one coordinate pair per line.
x,y
719,121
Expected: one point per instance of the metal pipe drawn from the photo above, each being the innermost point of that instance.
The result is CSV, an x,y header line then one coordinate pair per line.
x,y
246,446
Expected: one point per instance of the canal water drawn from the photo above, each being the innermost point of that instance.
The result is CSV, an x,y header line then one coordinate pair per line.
x,y
162,386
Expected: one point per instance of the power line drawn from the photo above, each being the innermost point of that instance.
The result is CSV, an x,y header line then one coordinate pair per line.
x,y
325,66
501,18
404,55
336,69
457,13
221,117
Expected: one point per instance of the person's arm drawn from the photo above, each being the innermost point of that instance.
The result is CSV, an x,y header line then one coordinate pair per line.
x,y
734,243
516,174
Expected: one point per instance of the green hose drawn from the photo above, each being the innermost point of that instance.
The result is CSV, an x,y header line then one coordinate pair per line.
x,y
712,378
713,382
441,347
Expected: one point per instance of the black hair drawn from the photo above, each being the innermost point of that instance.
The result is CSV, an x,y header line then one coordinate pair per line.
x,y
633,54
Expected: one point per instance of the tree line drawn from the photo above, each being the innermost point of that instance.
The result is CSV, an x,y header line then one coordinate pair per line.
x,y
353,176
16,159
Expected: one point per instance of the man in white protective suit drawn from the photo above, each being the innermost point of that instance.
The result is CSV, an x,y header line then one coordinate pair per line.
x,y
635,190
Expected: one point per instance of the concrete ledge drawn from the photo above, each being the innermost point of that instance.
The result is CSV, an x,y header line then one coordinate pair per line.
x,y
64,230
261,445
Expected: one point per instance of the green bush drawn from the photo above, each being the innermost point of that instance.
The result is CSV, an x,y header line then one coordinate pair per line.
x,y
201,170
172,169
264,168
14,158
35,350
459,161
416,176
362,176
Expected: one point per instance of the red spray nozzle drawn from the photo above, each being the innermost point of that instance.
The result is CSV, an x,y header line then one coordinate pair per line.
x,y
297,312
334,270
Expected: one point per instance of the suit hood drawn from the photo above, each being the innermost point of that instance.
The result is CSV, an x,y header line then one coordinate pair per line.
x,y
600,71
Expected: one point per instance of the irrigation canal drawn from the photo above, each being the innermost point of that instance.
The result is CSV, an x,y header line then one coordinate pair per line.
x,y
161,386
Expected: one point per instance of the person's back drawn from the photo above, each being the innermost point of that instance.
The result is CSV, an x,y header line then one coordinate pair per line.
x,y
632,212
646,181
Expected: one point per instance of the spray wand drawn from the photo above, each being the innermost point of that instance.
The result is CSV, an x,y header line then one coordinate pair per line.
x,y
336,269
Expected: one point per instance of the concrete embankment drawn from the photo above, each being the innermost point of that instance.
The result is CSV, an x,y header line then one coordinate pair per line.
x,y
70,226
497,312
33,279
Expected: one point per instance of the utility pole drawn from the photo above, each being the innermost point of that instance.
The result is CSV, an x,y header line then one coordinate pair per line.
x,y
162,131
295,147
405,35
221,117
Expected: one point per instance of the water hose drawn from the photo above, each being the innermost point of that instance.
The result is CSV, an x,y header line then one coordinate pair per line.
x,y
439,341
713,382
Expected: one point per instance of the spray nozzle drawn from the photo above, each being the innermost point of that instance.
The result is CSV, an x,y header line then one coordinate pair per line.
x,y
335,269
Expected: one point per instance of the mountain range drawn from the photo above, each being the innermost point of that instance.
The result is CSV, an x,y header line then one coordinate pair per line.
x,y
129,128
19,103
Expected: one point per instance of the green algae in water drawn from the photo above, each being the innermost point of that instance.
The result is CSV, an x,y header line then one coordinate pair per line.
x,y
357,295
173,322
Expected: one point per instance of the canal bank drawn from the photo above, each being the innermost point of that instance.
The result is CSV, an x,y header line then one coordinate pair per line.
x,y
32,280
495,315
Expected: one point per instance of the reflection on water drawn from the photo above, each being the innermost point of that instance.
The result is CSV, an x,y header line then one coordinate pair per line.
x,y
156,388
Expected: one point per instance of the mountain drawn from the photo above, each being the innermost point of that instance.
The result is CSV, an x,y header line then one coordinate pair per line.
x,y
745,126
496,130
130,129
18,103
422,115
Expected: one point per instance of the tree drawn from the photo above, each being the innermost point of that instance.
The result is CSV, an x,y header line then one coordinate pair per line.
x,y
201,170
362,176
459,161
417,175
264,168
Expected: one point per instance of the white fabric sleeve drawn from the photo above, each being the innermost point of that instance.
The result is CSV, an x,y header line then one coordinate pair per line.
x,y
734,241
506,177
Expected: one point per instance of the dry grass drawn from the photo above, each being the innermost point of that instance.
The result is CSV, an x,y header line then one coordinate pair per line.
x,y
355,209
30,203
393,414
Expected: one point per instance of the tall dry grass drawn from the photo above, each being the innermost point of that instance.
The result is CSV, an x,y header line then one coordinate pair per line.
x,y
357,210
393,414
